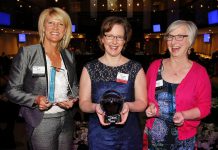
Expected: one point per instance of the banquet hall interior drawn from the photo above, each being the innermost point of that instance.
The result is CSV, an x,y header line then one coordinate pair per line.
x,y
149,20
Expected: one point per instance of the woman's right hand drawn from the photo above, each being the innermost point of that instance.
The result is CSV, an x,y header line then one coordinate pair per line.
x,y
101,115
151,111
43,103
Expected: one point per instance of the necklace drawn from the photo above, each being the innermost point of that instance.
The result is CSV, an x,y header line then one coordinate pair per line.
x,y
181,71
177,70
176,73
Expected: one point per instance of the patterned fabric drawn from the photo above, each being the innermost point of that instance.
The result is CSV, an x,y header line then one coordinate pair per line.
x,y
195,89
164,134
113,137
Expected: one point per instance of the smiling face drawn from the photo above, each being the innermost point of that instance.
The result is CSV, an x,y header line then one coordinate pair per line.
x,y
113,40
54,29
179,48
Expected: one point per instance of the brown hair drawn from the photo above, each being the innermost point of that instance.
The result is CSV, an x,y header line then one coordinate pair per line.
x,y
108,24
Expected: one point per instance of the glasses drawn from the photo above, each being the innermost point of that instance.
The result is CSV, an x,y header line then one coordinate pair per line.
x,y
111,37
176,37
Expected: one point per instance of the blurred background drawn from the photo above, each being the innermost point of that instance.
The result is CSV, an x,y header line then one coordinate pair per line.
x,y
149,20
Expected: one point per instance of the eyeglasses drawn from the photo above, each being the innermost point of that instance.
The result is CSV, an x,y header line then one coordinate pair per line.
x,y
111,37
176,37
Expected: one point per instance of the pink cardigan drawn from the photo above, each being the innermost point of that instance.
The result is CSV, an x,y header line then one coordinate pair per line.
x,y
193,91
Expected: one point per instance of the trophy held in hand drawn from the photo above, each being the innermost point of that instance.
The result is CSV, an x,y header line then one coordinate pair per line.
x,y
112,103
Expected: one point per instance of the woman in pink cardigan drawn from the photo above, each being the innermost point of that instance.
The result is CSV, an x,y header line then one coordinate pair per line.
x,y
179,93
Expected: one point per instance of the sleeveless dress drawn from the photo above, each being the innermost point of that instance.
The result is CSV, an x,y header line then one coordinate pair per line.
x,y
164,134
113,137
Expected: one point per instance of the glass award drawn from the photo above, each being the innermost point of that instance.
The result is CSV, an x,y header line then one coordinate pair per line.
x,y
112,103
66,92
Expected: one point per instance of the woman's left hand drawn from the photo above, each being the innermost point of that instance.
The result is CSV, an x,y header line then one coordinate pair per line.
x,y
124,113
67,104
178,119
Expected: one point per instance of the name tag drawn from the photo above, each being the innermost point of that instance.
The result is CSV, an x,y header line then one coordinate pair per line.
x,y
38,70
159,83
122,77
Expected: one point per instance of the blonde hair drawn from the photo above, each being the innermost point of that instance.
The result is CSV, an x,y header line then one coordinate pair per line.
x,y
59,14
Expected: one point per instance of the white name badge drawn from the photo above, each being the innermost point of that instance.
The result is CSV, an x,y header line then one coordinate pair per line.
x,y
38,70
122,77
159,83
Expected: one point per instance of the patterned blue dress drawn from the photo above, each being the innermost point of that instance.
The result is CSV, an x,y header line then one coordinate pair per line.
x,y
164,134
113,137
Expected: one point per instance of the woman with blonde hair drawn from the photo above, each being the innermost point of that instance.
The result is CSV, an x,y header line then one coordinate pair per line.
x,y
42,78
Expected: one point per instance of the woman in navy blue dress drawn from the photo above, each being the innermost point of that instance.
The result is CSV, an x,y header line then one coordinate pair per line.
x,y
113,72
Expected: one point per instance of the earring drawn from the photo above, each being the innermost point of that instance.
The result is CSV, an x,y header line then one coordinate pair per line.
x,y
189,51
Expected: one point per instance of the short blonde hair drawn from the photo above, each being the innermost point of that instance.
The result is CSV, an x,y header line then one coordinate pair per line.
x,y
191,27
59,14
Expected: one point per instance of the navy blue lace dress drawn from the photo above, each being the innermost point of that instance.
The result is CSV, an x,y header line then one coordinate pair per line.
x,y
113,137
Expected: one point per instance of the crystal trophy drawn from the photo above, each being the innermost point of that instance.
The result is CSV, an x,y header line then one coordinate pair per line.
x,y
64,94
112,103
